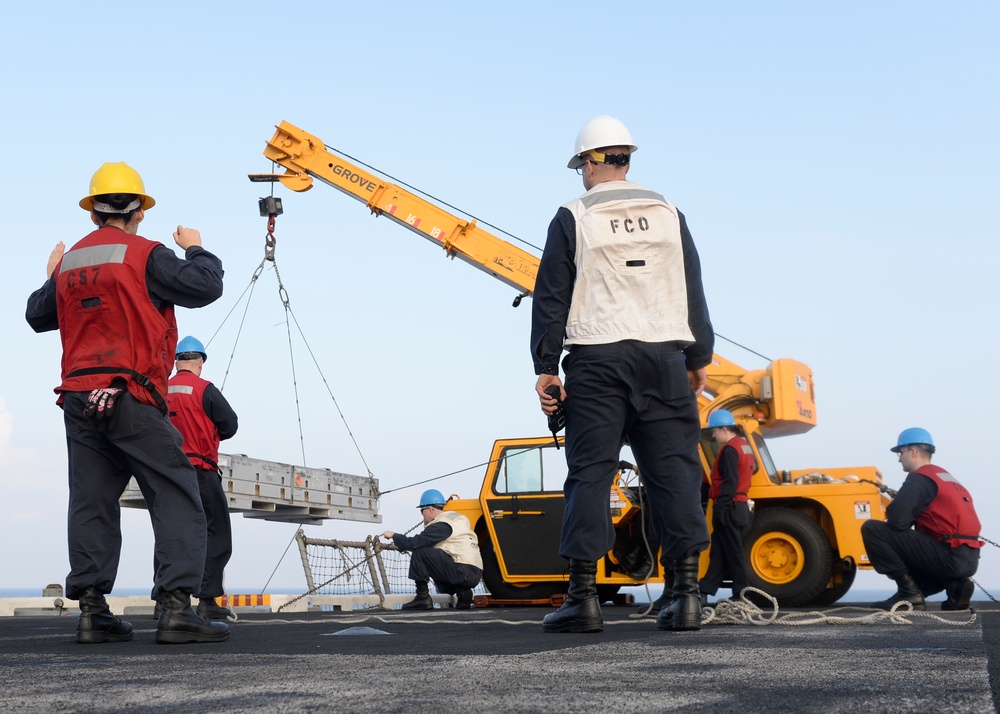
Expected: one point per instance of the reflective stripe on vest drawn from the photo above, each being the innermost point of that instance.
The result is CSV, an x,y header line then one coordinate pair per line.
x,y
94,255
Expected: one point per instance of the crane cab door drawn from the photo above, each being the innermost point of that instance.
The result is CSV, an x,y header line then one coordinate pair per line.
x,y
523,508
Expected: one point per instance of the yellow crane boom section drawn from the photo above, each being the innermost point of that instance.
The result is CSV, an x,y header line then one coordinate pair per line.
x,y
305,157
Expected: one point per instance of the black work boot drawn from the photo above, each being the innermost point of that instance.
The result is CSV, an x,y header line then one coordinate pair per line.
x,y
208,609
97,623
422,601
180,624
959,594
684,611
581,611
463,599
906,591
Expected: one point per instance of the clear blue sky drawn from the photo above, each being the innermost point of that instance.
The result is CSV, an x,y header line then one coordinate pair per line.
x,y
836,162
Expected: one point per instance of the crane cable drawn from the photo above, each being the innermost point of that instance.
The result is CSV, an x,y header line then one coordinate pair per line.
x,y
430,196
458,471
270,242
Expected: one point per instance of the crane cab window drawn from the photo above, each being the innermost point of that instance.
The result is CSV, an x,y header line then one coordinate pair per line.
x,y
530,469
765,456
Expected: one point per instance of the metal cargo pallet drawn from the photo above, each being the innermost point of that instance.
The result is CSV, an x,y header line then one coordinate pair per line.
x,y
274,491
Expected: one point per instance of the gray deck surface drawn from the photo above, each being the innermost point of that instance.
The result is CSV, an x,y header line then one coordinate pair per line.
x,y
497,660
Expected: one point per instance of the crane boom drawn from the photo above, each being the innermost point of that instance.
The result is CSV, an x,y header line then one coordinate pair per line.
x,y
305,157
778,400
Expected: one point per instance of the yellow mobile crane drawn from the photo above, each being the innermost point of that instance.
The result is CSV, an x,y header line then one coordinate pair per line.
x,y
805,544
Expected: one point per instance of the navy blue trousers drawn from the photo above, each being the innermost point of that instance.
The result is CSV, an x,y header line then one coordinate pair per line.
x,y
638,392
929,562
726,560
142,443
449,577
219,547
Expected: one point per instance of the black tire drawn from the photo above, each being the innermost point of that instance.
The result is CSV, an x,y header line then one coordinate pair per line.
x,y
788,556
502,590
831,594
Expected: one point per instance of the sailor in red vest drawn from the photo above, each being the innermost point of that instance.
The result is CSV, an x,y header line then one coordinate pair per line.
x,y
204,418
929,541
731,517
112,297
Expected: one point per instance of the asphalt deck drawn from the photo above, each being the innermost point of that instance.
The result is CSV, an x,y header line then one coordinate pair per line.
x,y
488,660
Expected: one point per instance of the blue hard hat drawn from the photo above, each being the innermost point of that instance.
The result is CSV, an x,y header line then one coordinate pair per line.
x,y
914,436
432,497
190,344
721,417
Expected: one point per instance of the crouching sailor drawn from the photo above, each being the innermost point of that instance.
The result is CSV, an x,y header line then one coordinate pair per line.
x,y
445,551
929,541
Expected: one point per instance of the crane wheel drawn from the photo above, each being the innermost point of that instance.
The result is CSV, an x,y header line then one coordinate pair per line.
x,y
789,556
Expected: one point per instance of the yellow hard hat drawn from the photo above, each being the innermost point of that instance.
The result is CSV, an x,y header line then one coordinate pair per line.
x,y
116,178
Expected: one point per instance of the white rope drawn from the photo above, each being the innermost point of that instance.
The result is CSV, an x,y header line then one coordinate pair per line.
x,y
745,612
403,618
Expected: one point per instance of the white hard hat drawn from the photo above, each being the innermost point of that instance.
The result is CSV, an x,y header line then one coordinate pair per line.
x,y
597,133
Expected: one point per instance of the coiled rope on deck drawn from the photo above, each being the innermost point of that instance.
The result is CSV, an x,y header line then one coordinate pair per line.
x,y
745,612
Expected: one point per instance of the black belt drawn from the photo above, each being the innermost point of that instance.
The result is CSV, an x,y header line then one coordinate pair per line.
x,y
210,462
140,379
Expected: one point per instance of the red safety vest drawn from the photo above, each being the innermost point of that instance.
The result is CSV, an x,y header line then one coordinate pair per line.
x,y
950,517
108,324
744,469
186,394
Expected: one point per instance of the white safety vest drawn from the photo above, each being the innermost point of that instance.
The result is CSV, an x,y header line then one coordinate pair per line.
x,y
630,282
462,545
